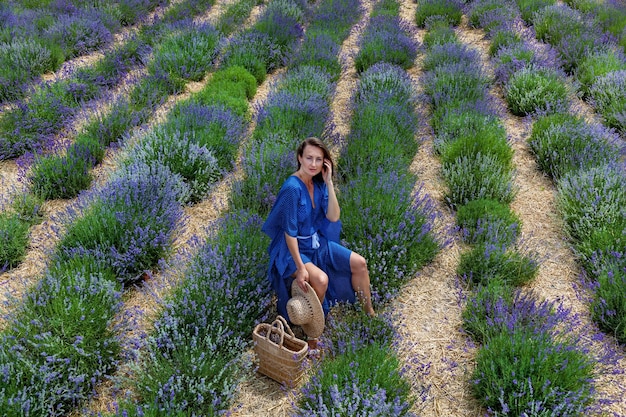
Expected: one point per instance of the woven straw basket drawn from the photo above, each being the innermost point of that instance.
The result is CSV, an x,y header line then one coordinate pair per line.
x,y
280,353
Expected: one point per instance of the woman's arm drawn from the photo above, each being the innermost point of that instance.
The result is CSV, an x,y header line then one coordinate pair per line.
x,y
302,275
334,212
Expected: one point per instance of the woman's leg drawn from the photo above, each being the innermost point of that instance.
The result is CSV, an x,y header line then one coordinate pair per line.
x,y
361,281
318,280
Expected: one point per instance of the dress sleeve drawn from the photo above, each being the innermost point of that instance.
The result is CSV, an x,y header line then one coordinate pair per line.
x,y
283,216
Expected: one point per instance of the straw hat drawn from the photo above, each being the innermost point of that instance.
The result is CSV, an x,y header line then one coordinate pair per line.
x,y
304,309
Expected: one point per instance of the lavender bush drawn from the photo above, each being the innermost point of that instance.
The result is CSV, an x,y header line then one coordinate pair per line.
x,y
535,89
126,224
13,240
608,96
188,53
524,372
253,51
481,176
387,39
59,343
494,260
182,155
213,127
384,221
572,144
589,199
450,10
609,304
596,65
193,361
486,221
230,87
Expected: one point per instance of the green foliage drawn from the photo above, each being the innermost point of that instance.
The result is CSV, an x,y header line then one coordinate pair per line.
x,y
528,373
235,16
597,64
479,315
552,24
183,155
232,88
439,33
13,240
487,262
529,7
447,9
459,119
490,140
367,371
28,208
534,89
590,199
503,39
63,176
608,95
187,55
479,176
609,302
488,221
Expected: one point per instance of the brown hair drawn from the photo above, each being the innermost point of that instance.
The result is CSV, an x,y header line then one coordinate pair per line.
x,y
313,141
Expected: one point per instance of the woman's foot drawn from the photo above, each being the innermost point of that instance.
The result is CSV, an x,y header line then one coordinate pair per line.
x,y
314,350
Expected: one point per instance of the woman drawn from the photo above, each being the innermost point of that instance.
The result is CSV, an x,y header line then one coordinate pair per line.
x,y
304,229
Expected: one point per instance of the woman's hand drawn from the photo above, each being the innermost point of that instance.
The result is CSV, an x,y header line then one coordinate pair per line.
x,y
302,276
327,171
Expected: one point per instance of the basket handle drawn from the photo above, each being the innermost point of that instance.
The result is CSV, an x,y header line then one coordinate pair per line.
x,y
284,325
278,327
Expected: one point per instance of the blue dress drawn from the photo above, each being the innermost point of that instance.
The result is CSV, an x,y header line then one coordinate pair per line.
x,y
294,214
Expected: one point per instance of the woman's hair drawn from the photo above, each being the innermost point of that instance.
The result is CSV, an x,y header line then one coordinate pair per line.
x,y
313,141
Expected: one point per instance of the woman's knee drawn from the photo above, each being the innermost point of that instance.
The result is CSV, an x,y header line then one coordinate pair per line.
x,y
359,263
319,279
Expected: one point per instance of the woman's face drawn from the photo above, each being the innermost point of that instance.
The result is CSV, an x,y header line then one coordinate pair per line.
x,y
312,160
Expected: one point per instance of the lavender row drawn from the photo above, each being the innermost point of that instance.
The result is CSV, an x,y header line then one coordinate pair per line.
x,y
585,159
385,221
588,52
525,364
38,38
31,125
65,174
114,234
192,362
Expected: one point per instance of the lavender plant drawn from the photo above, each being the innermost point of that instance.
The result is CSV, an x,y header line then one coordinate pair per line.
x,y
525,372
213,127
535,89
253,51
596,65
439,32
387,39
608,308
187,54
528,8
456,82
486,221
451,54
449,10
59,344
489,140
608,96
230,87
589,199
192,362
384,220
13,240
126,224
182,155
572,144
494,260
480,176
291,115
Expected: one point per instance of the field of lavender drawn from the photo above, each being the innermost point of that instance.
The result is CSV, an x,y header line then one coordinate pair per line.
x,y
481,173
